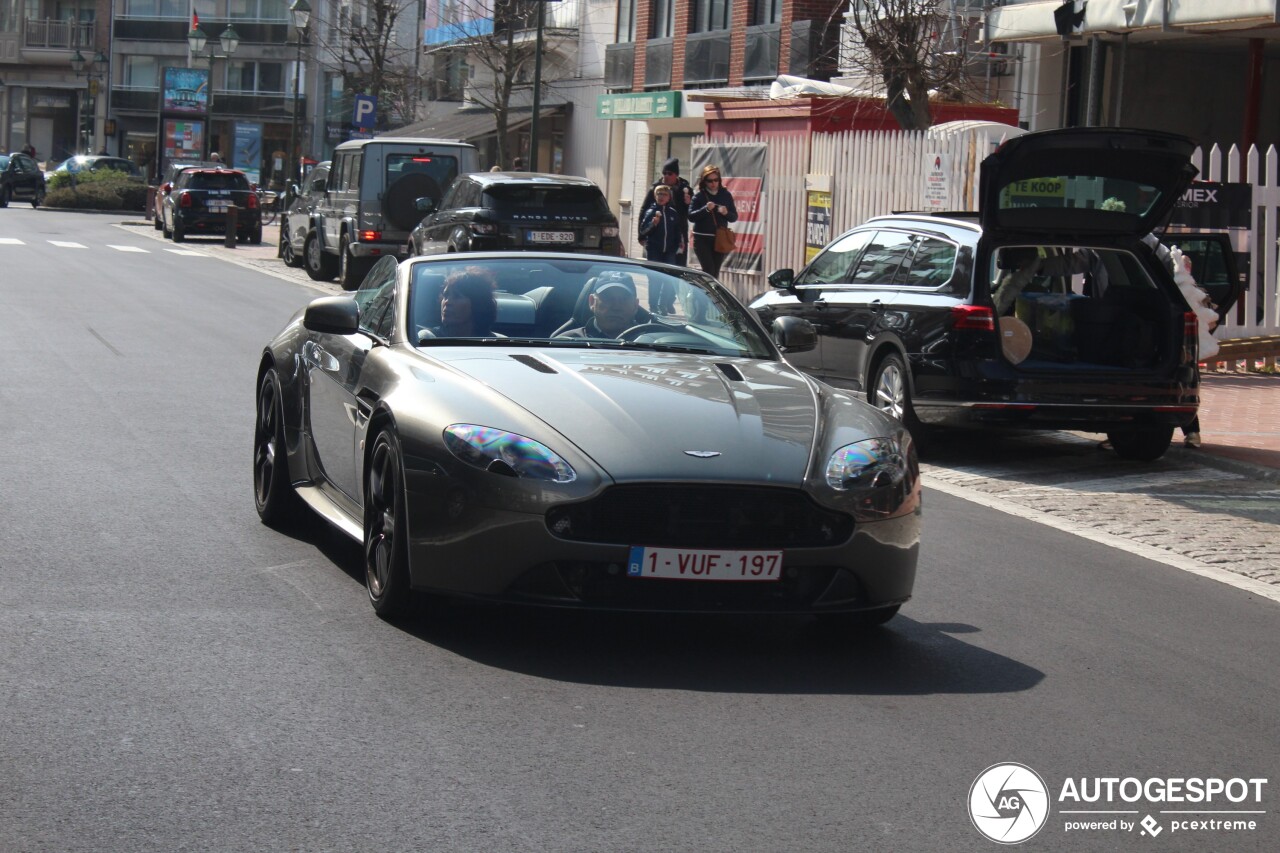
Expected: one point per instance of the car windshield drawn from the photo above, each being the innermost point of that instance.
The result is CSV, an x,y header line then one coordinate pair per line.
x,y
217,181
576,302
560,200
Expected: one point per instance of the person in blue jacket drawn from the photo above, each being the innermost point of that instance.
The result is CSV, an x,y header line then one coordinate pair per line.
x,y
661,230
712,207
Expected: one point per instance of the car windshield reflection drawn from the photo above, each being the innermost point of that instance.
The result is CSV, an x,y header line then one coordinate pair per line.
x,y
576,302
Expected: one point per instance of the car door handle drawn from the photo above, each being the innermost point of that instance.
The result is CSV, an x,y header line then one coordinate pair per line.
x,y
314,354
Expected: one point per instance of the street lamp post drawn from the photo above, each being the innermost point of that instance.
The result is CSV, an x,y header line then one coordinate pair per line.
x,y
229,41
88,68
300,11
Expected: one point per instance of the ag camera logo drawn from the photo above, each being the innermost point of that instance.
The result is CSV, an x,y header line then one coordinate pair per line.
x,y
1009,803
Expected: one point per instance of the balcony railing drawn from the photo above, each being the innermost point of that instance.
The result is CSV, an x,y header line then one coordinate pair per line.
x,y
269,105
251,31
706,58
619,65
657,63
57,35
760,60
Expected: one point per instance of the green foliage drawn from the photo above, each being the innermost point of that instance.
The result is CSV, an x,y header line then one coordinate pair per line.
x,y
104,190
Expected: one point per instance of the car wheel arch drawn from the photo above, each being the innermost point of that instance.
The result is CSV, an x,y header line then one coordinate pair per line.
x,y
881,350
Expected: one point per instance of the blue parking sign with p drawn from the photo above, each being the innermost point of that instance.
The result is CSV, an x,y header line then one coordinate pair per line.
x,y
365,113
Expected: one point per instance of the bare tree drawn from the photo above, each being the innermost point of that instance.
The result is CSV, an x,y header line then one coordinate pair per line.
x,y
502,59
375,47
913,47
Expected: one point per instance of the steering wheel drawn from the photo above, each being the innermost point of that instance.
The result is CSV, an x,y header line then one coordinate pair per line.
x,y
636,331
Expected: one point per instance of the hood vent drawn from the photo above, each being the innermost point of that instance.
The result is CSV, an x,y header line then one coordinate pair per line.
x,y
730,371
530,361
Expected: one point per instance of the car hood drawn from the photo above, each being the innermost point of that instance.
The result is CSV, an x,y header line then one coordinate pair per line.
x,y
660,416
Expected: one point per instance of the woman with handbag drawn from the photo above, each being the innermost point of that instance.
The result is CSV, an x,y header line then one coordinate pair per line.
x,y
710,212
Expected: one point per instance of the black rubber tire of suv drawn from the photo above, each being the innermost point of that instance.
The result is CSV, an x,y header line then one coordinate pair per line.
x,y
351,270
38,200
319,265
1144,444
398,205
4,196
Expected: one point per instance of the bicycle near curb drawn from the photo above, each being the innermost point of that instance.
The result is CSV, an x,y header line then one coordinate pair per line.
x,y
270,203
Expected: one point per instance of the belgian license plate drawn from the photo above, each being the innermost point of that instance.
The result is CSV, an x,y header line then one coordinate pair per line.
x,y
704,565
550,236
217,207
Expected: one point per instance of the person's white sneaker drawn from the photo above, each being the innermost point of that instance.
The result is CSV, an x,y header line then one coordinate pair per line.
x,y
1192,439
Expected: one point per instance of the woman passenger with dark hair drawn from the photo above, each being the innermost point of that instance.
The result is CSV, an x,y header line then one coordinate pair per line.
x,y
468,308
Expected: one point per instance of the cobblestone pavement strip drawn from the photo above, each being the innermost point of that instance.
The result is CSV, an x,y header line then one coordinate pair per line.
x,y
1195,517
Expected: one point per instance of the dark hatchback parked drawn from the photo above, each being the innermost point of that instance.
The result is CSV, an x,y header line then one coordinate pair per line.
x,y
199,202
489,211
1045,310
20,180
171,174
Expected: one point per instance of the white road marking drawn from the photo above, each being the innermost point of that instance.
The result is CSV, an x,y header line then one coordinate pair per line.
x,y
11,241
1159,555
129,249
188,252
63,244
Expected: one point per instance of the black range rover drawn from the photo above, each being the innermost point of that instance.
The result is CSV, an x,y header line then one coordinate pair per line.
x,y
1047,309
489,211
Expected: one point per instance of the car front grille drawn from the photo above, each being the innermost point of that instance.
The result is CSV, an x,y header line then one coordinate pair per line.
x,y
700,516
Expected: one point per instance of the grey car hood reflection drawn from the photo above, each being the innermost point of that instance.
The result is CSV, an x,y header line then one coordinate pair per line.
x,y
635,413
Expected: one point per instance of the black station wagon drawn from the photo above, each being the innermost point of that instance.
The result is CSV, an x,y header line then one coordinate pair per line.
x,y
1047,309
532,211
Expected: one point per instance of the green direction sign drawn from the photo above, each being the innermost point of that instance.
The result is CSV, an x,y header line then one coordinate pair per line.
x,y
639,105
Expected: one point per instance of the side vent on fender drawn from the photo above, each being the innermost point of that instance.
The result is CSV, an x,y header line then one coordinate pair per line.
x,y
730,371
536,364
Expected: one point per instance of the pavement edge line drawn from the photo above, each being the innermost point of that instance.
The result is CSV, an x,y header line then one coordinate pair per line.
x,y
1177,561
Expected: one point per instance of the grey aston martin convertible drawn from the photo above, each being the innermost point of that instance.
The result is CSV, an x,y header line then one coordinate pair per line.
x,y
515,427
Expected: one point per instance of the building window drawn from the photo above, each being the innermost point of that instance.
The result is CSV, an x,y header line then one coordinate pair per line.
x,y
140,72
250,76
626,22
766,11
711,15
259,10
664,18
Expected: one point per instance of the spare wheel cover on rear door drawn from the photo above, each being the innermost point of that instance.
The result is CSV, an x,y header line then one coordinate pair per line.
x,y
398,204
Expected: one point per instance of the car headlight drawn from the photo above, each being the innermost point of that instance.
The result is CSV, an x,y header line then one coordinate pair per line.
x,y
879,473
501,452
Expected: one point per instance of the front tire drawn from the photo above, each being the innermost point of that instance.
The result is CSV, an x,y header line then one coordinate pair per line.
x,y
273,492
386,529
1141,445
287,254
320,267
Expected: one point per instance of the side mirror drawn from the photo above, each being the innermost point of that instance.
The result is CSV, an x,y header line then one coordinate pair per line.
x,y
294,191
425,205
794,334
783,279
334,315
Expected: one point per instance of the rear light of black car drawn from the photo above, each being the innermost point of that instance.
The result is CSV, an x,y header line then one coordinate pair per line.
x,y
184,199
976,318
251,202
368,236
609,231
483,228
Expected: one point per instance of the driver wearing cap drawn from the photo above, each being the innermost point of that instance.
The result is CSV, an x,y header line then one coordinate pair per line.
x,y
614,308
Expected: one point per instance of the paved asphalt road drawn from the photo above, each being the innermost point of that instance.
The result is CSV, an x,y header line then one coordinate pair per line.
x,y
176,676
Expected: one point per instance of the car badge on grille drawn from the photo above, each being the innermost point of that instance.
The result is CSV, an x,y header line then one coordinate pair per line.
x,y
702,454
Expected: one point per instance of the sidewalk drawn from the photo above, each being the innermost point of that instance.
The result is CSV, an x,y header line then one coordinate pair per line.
x,y
1240,420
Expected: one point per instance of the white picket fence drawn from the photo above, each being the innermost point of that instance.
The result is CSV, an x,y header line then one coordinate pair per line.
x,y
874,173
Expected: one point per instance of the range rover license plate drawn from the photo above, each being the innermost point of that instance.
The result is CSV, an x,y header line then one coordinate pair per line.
x,y
704,565
549,236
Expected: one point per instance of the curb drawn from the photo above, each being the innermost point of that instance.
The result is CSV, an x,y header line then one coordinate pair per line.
x,y
1209,459
92,210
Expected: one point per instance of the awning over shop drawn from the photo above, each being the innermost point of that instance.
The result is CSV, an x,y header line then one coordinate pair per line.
x,y
1034,21
474,124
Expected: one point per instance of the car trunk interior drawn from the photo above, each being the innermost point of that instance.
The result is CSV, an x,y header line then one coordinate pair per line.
x,y
1064,308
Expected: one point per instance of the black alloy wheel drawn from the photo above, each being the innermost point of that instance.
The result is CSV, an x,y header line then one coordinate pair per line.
x,y
386,531
287,254
277,502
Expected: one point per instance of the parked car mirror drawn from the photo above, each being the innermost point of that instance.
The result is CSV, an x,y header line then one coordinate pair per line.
x,y
782,279
334,315
794,334
425,205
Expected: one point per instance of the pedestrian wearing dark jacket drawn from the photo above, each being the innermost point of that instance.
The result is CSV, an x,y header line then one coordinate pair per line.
x,y
663,234
712,207
681,194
